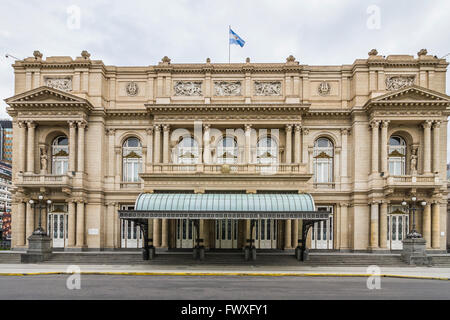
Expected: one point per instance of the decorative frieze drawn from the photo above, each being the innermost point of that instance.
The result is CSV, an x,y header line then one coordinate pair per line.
x,y
268,88
398,82
188,88
227,88
132,89
63,84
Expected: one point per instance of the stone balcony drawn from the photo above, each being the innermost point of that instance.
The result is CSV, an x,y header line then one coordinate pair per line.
x,y
430,181
31,180
226,176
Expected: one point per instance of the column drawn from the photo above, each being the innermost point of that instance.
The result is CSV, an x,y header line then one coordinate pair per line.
x,y
157,144
30,154
71,224
287,234
81,142
436,146
22,146
165,233
383,225
72,145
294,224
344,227
111,154
435,232
297,143
374,125
156,232
247,150
80,224
29,221
426,224
166,129
20,220
117,240
149,145
426,146
344,137
288,153
384,141
374,225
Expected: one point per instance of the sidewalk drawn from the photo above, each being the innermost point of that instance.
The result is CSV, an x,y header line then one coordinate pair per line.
x,y
214,270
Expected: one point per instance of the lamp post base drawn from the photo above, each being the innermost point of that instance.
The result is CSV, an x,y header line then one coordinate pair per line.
x,y
39,248
414,252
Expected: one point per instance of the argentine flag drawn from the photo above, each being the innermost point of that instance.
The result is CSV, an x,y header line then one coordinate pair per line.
x,y
235,39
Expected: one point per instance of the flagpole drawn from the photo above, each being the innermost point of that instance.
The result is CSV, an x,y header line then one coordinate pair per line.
x,y
229,28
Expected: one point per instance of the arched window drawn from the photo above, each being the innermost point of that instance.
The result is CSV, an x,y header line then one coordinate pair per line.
x,y
227,150
187,151
60,155
131,159
323,160
267,151
397,156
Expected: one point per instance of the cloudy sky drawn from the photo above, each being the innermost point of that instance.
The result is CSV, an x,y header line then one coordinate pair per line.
x,y
135,32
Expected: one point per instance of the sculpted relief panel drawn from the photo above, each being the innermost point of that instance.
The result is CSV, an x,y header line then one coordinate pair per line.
x,y
188,88
227,88
268,88
398,82
63,84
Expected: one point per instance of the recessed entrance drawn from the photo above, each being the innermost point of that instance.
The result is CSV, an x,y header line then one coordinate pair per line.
x,y
57,225
131,236
266,234
322,231
226,233
185,233
398,226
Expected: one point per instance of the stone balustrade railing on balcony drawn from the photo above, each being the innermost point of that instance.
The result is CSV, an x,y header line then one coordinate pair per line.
x,y
431,180
227,168
45,180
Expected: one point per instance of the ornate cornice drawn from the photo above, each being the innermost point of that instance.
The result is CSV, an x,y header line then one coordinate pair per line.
x,y
206,108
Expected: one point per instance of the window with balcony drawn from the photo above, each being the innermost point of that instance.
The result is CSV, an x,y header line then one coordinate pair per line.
x,y
267,151
187,151
323,158
131,159
60,155
397,156
227,151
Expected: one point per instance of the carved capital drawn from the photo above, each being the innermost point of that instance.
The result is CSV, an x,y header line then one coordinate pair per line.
x,y
345,131
305,131
82,124
297,127
375,124
31,124
157,127
166,127
247,127
427,124
288,127
385,123
110,132
436,125
206,126
72,124
21,124
149,131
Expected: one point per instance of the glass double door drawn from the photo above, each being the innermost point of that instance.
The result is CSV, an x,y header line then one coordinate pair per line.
x,y
322,231
185,233
266,234
226,233
57,229
398,226
130,233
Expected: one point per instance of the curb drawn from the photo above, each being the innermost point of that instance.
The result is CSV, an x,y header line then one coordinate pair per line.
x,y
245,274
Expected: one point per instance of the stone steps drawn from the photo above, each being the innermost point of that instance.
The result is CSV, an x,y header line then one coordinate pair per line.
x,y
441,261
10,257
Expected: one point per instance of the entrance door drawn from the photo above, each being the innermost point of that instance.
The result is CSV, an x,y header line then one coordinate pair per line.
x,y
185,233
266,234
322,231
226,233
57,229
398,226
131,236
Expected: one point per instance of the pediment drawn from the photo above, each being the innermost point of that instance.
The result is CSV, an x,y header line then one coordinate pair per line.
x,y
44,95
413,93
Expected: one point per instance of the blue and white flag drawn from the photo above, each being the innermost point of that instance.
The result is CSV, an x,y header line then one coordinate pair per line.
x,y
235,39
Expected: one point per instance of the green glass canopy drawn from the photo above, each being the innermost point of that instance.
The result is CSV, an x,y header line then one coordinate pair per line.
x,y
224,205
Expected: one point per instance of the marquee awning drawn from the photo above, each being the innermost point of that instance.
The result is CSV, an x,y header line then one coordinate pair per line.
x,y
224,206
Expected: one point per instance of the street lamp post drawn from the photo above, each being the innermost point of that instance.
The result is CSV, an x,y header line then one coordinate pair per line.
x,y
40,205
413,234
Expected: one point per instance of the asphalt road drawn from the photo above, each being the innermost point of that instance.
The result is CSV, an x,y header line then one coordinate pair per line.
x,y
221,287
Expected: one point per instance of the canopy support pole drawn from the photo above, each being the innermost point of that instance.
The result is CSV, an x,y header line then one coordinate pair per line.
x,y
301,252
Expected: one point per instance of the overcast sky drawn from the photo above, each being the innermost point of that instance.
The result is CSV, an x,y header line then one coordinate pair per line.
x,y
142,32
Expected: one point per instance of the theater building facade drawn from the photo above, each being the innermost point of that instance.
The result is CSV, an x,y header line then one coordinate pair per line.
x,y
359,138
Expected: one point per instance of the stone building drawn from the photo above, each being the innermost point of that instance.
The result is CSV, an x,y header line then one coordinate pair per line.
x,y
359,138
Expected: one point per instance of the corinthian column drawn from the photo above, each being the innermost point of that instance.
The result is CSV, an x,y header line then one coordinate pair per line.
x,y
149,145
22,147
383,225
20,223
80,224
157,144
426,146
81,142
288,154
72,145
383,153
71,224
435,226
436,146
297,143
287,234
166,150
426,224
30,154
374,225
374,125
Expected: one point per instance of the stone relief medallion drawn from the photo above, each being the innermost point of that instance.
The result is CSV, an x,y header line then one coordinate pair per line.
x,y
398,82
188,88
63,84
268,88
227,88
132,89
324,88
